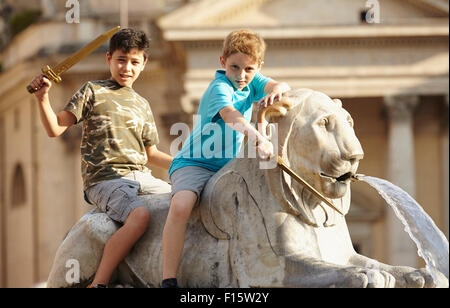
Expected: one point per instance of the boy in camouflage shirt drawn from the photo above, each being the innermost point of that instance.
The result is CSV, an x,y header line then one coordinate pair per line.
x,y
119,138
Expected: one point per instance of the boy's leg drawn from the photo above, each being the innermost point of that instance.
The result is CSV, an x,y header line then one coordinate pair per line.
x,y
118,199
180,210
187,184
120,243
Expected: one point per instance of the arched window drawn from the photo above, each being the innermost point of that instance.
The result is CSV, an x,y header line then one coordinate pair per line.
x,y
18,191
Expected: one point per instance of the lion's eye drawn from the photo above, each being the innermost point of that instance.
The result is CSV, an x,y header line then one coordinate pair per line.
x,y
324,122
327,122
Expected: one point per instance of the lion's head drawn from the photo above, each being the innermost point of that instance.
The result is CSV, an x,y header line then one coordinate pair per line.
x,y
317,139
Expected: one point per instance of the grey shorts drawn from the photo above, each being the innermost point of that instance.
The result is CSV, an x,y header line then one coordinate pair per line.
x,y
192,178
118,197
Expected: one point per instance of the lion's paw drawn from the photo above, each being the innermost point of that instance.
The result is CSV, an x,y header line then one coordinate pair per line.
x,y
421,278
367,278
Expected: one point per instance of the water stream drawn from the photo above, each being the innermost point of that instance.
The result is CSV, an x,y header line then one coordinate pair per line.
x,y
432,245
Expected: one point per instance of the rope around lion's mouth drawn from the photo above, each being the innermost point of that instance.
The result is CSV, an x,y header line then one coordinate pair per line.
x,y
289,171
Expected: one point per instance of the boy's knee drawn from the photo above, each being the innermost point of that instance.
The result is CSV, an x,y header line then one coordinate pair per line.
x,y
181,209
140,216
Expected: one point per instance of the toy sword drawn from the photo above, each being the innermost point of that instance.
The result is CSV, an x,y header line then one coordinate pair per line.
x,y
54,73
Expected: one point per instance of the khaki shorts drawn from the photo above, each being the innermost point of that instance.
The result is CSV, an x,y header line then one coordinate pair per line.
x,y
118,197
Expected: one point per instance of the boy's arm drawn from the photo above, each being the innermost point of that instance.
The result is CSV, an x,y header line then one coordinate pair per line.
x,y
54,124
236,121
157,158
274,91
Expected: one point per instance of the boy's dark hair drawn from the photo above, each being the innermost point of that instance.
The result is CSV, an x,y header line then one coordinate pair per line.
x,y
126,39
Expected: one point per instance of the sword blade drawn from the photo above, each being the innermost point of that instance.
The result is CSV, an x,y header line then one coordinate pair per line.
x,y
53,74
83,52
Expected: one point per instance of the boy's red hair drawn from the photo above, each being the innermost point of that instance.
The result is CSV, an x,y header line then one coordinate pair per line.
x,y
245,41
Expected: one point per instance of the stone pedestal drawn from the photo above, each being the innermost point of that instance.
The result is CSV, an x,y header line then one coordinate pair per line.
x,y
400,171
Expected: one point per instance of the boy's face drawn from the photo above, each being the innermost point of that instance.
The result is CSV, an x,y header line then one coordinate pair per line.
x,y
240,69
125,67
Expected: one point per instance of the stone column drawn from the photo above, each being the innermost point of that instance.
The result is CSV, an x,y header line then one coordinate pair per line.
x,y
400,171
3,268
445,166
124,13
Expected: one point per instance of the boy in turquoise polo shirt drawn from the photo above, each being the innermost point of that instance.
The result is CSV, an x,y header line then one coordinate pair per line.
x,y
223,119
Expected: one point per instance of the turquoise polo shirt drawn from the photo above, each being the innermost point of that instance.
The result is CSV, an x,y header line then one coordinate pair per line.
x,y
212,143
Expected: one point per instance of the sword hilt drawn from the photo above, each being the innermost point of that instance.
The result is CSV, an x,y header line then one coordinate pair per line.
x,y
30,89
50,74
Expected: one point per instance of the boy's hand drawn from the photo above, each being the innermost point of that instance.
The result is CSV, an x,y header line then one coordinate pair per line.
x,y
265,148
43,85
274,92
270,98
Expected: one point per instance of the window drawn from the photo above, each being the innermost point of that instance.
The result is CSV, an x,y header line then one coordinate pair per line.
x,y
18,191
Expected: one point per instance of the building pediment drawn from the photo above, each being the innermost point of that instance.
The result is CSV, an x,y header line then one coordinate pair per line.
x,y
270,14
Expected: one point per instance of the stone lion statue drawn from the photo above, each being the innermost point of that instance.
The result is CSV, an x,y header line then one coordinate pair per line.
x,y
256,227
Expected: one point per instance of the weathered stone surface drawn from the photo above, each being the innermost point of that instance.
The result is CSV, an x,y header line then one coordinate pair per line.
x,y
255,227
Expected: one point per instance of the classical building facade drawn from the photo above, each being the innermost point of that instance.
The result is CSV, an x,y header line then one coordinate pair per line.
x,y
392,76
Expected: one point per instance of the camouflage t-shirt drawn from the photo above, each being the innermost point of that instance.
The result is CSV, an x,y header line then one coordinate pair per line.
x,y
117,126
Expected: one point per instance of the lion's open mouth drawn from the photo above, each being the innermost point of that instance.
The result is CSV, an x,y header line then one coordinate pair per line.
x,y
342,178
